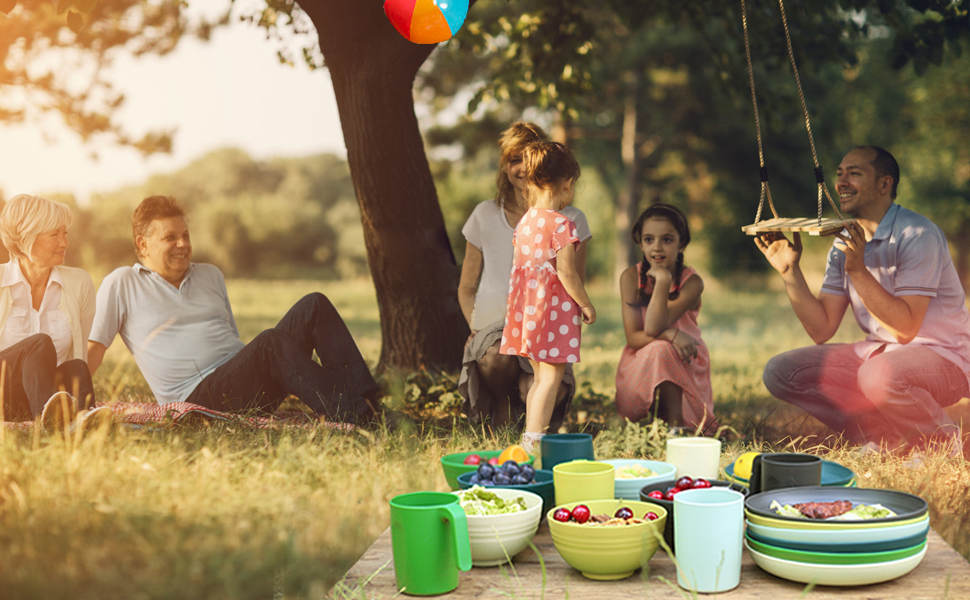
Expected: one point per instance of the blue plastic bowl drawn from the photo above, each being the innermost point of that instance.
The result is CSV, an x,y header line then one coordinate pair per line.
x,y
543,486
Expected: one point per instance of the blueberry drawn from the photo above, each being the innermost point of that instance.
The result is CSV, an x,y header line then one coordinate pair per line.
x,y
528,470
474,479
511,467
502,478
521,479
486,471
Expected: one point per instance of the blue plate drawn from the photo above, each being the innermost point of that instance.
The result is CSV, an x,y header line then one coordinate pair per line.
x,y
842,547
833,474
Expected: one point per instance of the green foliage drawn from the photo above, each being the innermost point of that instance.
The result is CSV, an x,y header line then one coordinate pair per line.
x,y
278,218
59,51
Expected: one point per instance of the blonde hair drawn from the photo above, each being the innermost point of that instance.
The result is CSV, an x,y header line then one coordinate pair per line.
x,y
548,166
512,144
25,217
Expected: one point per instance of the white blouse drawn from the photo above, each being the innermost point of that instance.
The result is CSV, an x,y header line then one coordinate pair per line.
x,y
24,321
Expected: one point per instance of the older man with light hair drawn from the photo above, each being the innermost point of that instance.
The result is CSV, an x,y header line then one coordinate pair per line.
x,y
175,318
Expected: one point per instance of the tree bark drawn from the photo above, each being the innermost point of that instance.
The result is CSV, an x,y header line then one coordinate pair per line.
x,y
410,257
627,207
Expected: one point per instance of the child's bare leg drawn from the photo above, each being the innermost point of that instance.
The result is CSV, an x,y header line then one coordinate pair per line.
x,y
542,395
671,399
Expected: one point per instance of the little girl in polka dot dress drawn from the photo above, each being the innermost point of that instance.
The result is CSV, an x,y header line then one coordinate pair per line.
x,y
547,300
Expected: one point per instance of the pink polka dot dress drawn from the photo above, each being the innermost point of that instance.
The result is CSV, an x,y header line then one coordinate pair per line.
x,y
542,321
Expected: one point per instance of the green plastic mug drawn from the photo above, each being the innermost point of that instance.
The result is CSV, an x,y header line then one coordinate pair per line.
x,y
581,480
429,537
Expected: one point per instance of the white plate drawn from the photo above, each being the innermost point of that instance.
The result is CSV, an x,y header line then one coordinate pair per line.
x,y
629,489
835,574
841,536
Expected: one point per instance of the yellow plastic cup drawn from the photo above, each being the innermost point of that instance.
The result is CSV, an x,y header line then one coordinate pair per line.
x,y
581,480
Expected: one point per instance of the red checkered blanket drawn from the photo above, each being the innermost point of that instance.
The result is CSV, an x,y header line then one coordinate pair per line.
x,y
149,414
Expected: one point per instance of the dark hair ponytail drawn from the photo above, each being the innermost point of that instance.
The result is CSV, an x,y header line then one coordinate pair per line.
x,y
676,218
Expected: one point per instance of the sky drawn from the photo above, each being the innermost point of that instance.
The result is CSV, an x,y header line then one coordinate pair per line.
x,y
227,92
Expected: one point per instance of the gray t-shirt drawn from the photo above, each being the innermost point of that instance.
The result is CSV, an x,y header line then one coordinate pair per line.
x,y
177,336
488,230
908,256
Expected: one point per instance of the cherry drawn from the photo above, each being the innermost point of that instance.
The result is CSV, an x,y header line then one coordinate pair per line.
x,y
473,459
700,484
562,515
656,495
651,516
623,513
493,461
581,513
684,483
671,492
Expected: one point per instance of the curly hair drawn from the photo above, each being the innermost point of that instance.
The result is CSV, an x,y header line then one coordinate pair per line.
x,y
512,144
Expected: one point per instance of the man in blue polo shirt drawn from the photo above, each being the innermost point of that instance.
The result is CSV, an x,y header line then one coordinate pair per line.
x,y
893,267
174,316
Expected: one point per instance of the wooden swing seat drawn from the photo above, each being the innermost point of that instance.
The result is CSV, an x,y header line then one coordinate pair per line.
x,y
810,226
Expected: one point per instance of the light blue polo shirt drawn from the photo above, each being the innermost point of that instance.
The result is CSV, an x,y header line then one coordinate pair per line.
x,y
178,336
909,256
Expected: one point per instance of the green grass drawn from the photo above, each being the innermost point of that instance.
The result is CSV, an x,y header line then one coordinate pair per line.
x,y
222,512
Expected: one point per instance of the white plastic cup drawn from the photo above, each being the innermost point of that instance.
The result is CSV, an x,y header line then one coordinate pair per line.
x,y
708,532
695,456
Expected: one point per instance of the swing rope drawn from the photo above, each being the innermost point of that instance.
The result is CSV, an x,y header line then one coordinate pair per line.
x,y
819,177
765,190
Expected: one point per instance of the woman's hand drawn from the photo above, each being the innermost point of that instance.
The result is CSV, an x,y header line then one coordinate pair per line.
x,y
685,345
589,314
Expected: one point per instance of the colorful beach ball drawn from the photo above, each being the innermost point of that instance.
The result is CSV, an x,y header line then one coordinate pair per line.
x,y
426,21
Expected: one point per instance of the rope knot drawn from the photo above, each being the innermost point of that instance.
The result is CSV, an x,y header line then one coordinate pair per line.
x,y
764,173
819,177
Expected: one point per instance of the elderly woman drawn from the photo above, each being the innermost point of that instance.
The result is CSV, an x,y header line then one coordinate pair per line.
x,y
495,385
46,311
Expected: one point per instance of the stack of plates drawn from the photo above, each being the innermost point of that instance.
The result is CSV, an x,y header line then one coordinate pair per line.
x,y
833,474
837,552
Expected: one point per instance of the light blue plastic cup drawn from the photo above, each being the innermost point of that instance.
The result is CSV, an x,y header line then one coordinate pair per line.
x,y
708,531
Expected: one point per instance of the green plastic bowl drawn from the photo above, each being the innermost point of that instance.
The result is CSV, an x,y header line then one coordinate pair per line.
x,y
832,558
606,553
454,464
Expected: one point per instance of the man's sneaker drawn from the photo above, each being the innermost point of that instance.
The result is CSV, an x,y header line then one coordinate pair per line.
x,y
60,408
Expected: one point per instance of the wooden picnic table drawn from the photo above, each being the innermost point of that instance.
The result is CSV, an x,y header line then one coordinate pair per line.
x,y
942,574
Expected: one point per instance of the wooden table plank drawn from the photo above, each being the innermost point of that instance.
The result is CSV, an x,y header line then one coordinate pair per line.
x,y
942,574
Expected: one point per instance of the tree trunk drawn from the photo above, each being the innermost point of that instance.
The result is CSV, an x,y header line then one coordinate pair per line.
x,y
626,254
410,258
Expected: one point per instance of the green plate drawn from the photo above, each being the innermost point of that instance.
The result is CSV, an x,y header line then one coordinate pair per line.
x,y
831,558
833,474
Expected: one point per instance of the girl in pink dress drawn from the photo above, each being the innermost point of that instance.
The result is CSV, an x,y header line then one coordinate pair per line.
x,y
547,300
665,355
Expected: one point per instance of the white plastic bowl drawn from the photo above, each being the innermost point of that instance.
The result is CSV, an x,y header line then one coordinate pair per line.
x,y
837,575
629,489
496,539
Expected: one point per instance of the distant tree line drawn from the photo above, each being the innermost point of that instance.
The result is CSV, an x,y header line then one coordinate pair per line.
x,y
283,217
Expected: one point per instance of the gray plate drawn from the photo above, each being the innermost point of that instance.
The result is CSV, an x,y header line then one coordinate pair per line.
x,y
906,506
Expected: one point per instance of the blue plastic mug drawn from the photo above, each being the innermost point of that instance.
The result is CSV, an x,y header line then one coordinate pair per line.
x,y
708,533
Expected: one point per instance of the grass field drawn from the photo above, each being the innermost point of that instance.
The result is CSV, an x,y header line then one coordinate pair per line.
x,y
221,512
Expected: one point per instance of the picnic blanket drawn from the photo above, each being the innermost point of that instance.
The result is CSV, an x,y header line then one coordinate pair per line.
x,y
150,414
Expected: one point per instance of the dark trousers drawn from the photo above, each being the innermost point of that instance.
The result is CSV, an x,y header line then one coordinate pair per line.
x,y
279,362
31,375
